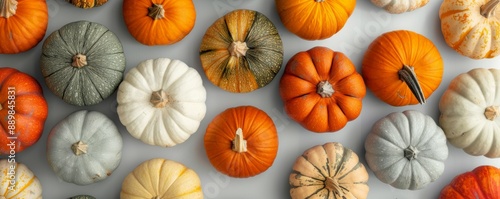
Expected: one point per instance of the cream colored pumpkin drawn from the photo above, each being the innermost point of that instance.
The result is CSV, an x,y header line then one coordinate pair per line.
x,y
162,102
399,6
26,184
160,178
469,112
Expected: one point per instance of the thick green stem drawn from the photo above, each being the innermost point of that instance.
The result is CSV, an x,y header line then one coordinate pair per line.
x,y
8,8
156,11
488,9
407,74
325,89
411,152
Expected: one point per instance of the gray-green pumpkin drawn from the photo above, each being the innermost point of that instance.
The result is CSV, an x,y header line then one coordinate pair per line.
x,y
82,63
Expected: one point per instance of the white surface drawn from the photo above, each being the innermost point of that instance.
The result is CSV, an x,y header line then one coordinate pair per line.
x,y
365,24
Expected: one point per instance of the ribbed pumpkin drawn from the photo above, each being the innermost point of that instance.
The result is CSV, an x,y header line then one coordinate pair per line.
x,y
22,24
24,185
153,22
86,4
23,110
322,90
402,68
241,141
329,171
481,183
399,6
241,51
82,63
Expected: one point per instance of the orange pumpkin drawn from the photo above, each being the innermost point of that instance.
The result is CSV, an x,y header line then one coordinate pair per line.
x,y
402,68
23,24
315,19
481,183
321,89
241,141
154,22
23,110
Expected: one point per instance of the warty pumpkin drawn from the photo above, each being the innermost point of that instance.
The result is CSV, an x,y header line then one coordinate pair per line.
x,y
241,141
402,67
24,185
321,89
329,171
481,183
162,102
406,150
472,28
23,110
314,19
241,51
469,108
23,24
399,6
82,63
153,22
86,4
161,178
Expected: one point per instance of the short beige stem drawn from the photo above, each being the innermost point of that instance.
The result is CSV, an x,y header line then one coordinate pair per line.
x,y
79,60
1,107
491,112
333,185
238,49
319,1
488,9
156,11
239,144
79,148
411,152
325,89
408,75
159,99
8,8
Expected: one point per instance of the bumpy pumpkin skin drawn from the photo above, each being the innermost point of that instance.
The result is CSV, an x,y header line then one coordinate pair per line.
x,y
399,6
322,90
329,171
82,63
241,51
469,112
481,183
23,24
27,184
86,4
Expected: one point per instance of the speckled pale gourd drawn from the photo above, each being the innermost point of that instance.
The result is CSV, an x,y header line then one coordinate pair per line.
x,y
161,101
469,112
399,6
82,63
85,147
472,28
27,184
406,150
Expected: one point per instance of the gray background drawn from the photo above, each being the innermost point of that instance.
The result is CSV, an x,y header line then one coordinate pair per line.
x,y
366,23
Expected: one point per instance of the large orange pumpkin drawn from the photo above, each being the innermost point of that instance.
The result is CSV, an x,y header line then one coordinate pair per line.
x,y
23,111
315,19
321,89
159,22
23,24
402,68
241,141
481,183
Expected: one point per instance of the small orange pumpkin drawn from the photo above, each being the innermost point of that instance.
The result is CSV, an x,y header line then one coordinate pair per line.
x,y
321,89
481,183
241,141
402,68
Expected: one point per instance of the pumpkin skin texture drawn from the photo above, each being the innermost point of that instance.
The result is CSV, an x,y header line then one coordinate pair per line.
x,y
82,63
399,6
320,78
85,147
241,142
472,28
402,68
161,178
406,150
23,24
162,102
481,183
469,112
314,20
241,51
21,100
164,22
86,4
329,171
82,197
27,184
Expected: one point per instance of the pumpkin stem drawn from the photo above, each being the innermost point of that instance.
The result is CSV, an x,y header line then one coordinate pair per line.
x,y
238,48
411,152
79,60
79,148
325,89
8,8
319,1
239,144
491,112
407,74
156,11
488,9
159,99
333,185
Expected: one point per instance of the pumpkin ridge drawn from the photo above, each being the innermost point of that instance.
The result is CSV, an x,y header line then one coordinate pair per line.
x,y
26,185
315,167
87,76
346,154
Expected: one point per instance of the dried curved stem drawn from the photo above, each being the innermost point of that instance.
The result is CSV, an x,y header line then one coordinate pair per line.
x,y
407,74
488,9
8,8
156,11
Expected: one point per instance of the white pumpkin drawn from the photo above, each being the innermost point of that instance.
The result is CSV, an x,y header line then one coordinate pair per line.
x,y
399,6
84,147
18,181
469,112
161,102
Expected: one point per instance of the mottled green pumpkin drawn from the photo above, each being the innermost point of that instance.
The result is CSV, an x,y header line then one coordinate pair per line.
x,y
82,197
82,63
